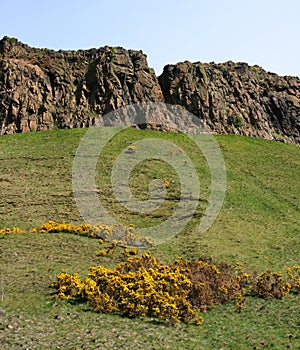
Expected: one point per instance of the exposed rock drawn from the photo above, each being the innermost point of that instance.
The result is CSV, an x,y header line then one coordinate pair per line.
x,y
43,89
236,98
2,313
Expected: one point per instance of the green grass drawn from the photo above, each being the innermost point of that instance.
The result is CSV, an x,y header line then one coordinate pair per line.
x,y
33,320
258,225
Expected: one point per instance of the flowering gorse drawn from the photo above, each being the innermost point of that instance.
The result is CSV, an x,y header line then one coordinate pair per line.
x,y
118,234
140,286
9,231
131,149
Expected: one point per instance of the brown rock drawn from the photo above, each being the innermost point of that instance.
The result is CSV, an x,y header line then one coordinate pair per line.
x,y
42,89
236,98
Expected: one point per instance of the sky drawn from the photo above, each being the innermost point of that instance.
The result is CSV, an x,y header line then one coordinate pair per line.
x,y
262,32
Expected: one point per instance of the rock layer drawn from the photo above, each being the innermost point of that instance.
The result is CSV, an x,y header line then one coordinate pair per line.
x,y
43,89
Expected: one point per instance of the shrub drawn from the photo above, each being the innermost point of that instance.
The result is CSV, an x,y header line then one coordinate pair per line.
x,y
140,286
9,231
68,286
294,278
131,149
118,234
209,286
270,285
55,227
11,40
235,120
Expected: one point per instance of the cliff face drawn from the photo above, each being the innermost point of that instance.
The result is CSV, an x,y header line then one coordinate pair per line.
x,y
41,89
236,98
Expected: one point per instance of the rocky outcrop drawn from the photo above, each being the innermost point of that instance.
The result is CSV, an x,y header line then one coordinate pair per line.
x,y
43,89
236,98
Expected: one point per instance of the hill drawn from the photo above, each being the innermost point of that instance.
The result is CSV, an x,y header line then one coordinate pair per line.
x,y
259,219
258,226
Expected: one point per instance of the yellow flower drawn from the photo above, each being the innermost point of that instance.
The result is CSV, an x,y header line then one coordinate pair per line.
x,y
131,149
166,183
199,321
14,230
101,252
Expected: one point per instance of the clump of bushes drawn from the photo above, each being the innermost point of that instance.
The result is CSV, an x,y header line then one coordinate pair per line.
x,y
55,227
11,40
140,286
118,234
178,292
271,285
210,284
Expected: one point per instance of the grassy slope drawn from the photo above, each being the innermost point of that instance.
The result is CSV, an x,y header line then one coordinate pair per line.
x,y
258,225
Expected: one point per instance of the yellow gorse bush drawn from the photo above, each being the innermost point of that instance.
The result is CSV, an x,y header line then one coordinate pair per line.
x,y
119,234
271,285
140,286
69,286
294,278
9,231
131,149
55,227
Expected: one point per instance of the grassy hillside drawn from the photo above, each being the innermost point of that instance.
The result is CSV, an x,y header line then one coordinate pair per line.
x,y
258,225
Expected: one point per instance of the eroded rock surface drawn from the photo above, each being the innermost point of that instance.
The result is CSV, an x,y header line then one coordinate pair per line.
x,y
45,89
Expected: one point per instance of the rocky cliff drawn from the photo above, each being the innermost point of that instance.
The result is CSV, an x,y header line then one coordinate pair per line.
x,y
236,98
42,89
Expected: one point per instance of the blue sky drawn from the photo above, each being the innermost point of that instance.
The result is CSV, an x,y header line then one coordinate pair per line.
x,y
262,32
